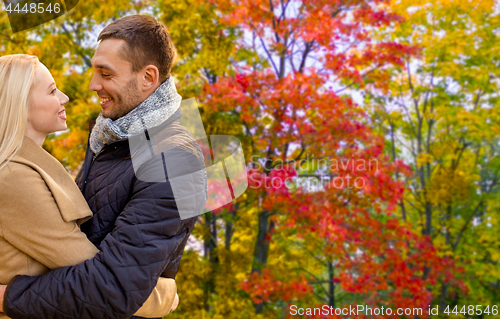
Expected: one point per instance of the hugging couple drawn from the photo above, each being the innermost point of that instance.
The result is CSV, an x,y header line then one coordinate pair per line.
x,y
110,245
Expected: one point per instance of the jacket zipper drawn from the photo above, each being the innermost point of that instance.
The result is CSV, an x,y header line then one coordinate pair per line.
x,y
103,149
94,158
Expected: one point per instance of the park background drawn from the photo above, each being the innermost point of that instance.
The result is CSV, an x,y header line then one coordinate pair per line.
x,y
410,85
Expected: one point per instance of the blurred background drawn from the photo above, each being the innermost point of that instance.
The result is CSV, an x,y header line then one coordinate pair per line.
x,y
371,136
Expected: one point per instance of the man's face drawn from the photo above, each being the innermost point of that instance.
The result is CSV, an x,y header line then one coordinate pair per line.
x,y
114,81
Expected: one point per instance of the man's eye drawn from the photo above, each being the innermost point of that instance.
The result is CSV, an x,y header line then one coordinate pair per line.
x,y
105,75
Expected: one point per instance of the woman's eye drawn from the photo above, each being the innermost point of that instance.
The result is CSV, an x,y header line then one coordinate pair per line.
x,y
53,91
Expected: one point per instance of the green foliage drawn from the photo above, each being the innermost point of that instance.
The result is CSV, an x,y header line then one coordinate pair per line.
x,y
441,115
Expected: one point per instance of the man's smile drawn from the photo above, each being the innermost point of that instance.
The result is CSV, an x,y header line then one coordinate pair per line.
x,y
105,101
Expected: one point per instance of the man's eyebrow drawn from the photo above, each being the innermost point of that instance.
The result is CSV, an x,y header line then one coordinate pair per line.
x,y
104,66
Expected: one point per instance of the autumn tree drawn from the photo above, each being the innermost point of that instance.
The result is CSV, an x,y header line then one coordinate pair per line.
x,y
279,75
441,115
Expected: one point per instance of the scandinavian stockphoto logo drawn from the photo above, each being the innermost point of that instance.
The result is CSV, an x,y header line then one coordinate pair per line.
x,y
27,14
157,155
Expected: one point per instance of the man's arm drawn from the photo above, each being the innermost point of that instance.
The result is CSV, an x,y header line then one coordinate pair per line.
x,y
117,281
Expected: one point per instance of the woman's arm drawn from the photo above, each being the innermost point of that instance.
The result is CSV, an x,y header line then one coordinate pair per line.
x,y
31,221
160,302
2,291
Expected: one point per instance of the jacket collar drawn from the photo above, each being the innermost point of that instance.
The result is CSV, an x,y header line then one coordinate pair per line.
x,y
68,197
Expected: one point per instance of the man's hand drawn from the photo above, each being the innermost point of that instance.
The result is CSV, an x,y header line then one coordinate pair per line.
x,y
176,303
2,292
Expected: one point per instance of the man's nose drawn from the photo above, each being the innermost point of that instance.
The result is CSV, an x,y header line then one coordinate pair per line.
x,y
94,84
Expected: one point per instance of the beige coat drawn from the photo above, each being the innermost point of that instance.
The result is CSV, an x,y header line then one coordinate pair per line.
x,y
41,209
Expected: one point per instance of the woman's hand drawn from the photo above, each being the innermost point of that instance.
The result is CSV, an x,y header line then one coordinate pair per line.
x,y
2,292
175,304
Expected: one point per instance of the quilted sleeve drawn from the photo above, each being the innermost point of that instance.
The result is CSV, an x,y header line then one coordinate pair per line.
x,y
116,282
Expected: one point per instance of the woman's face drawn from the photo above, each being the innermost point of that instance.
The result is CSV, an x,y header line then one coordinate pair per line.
x,y
46,114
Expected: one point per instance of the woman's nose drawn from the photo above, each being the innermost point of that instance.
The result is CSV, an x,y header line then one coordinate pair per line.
x,y
64,98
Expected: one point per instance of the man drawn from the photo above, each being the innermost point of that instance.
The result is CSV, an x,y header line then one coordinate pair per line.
x,y
138,223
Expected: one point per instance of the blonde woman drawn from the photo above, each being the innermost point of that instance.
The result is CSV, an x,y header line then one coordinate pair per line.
x,y
41,207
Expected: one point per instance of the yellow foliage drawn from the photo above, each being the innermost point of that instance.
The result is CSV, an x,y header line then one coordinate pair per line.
x,y
449,100
449,185
424,158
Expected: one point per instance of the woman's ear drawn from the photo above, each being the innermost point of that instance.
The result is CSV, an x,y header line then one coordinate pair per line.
x,y
151,77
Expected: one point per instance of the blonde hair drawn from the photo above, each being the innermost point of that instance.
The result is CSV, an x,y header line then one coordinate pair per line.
x,y
17,74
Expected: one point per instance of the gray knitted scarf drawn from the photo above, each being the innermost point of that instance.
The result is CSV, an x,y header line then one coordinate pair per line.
x,y
156,109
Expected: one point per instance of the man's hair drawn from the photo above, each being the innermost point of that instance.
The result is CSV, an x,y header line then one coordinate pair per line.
x,y
147,42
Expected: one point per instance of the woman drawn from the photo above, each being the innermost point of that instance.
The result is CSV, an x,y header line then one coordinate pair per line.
x,y
41,207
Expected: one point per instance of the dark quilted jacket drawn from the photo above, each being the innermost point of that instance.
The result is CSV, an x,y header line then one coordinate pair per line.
x,y
136,226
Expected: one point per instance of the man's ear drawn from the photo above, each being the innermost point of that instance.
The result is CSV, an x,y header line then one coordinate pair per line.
x,y
151,77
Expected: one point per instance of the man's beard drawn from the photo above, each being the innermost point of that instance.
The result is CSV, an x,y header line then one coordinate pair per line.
x,y
126,102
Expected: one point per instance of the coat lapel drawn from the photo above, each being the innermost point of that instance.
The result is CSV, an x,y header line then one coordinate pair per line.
x,y
68,197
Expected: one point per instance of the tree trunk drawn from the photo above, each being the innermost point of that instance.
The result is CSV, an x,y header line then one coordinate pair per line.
x,y
210,253
210,242
229,229
442,297
262,249
331,285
